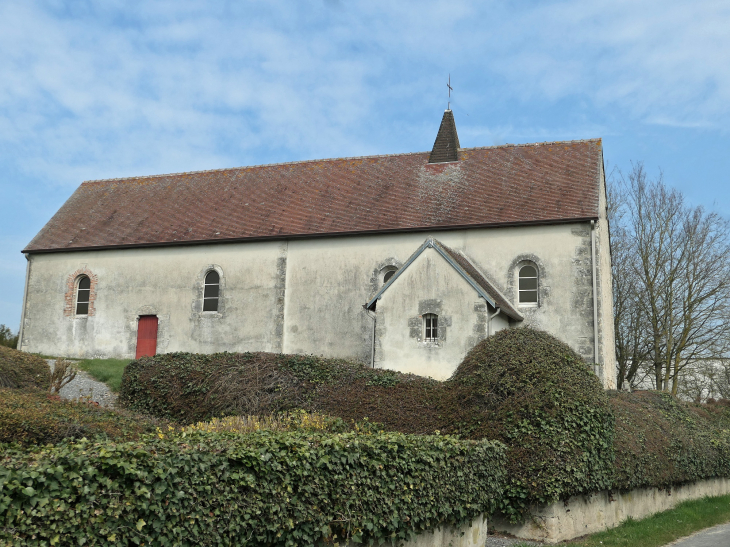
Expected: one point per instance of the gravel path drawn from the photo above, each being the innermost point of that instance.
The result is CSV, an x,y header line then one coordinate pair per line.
x,y
503,541
84,386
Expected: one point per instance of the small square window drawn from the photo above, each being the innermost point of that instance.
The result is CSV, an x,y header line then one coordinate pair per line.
x,y
430,327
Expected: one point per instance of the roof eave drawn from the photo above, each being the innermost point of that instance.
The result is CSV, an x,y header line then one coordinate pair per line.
x,y
275,237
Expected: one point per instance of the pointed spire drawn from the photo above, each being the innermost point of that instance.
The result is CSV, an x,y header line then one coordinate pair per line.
x,y
446,146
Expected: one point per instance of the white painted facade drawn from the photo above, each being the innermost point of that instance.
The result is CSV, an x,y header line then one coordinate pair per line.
x,y
307,295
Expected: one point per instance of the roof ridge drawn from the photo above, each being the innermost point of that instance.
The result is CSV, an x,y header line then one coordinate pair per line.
x,y
524,145
220,169
300,162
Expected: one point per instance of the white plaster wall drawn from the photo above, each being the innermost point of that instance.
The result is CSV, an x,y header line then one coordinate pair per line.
x,y
300,296
429,285
593,513
329,279
166,282
605,291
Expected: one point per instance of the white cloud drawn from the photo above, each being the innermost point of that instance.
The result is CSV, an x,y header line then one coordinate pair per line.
x,y
657,60
118,88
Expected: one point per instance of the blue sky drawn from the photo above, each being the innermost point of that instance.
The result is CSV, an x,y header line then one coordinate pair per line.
x,y
92,90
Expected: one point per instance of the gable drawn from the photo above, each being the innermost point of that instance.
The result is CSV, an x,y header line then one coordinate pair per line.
x,y
463,268
492,186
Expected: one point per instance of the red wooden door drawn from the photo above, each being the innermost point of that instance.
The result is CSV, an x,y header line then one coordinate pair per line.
x,y
146,336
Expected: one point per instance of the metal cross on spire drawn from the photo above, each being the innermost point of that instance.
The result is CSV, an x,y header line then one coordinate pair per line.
x,y
450,90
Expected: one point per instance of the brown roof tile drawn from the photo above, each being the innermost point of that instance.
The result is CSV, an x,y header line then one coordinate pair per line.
x,y
510,184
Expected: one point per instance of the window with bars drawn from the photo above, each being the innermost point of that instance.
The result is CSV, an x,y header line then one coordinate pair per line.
x,y
430,327
211,291
528,286
83,294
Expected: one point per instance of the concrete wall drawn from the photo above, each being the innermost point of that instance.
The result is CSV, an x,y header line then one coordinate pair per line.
x,y
296,296
593,513
472,534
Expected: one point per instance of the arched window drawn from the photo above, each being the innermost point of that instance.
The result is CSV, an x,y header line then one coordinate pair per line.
x,y
386,273
430,327
528,286
83,292
212,291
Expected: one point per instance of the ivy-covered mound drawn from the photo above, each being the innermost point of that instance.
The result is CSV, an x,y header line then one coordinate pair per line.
x,y
267,488
20,370
189,387
661,441
32,416
535,394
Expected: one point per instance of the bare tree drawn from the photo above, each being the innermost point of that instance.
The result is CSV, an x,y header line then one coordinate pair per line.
x,y
671,280
721,379
631,338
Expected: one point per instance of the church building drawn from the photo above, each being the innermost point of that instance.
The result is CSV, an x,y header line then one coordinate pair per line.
x,y
402,261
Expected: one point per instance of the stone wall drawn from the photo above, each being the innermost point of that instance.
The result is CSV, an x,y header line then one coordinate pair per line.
x,y
593,513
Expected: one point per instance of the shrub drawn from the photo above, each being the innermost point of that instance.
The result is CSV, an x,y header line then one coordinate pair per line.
x,y
63,373
286,421
34,417
535,394
661,441
23,370
265,488
7,338
188,388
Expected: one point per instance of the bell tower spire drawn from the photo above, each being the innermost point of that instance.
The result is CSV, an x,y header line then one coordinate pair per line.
x,y
446,147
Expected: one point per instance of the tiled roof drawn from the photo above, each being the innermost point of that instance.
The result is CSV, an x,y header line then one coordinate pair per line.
x,y
491,186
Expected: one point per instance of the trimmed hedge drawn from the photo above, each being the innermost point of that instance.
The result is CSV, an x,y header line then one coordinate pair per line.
x,y
34,417
265,488
23,370
520,386
661,441
535,394
188,388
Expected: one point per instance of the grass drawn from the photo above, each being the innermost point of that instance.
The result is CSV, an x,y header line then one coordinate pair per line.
x,y
108,371
684,520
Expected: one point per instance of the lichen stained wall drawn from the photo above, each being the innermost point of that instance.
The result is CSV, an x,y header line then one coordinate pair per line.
x,y
297,296
167,282
606,346
430,285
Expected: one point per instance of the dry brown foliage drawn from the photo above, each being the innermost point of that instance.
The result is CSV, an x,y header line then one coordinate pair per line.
x,y
257,388
64,372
